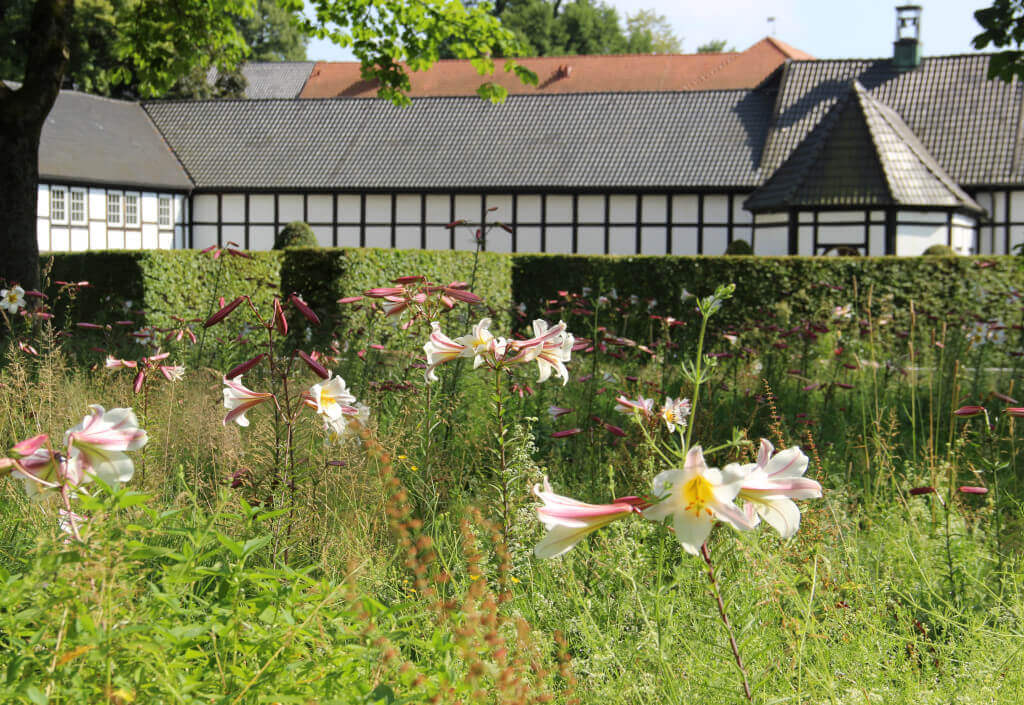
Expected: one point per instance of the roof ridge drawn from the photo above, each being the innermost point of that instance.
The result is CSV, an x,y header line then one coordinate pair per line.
x,y
167,144
826,126
717,68
603,57
431,98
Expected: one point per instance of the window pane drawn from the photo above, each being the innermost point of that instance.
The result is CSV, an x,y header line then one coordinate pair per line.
x,y
57,211
163,214
114,208
131,209
78,206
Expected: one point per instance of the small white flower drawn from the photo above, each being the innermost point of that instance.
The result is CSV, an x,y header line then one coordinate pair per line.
x,y
12,300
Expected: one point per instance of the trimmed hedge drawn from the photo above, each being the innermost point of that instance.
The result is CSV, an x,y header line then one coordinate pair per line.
x,y
322,276
804,286
162,284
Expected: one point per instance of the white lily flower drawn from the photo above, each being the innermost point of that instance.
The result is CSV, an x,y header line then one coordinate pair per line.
x,y
674,413
694,497
478,344
770,485
439,349
98,445
331,398
12,300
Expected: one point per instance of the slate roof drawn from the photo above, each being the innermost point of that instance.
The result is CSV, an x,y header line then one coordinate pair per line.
x,y
621,73
273,79
970,125
708,139
861,154
105,141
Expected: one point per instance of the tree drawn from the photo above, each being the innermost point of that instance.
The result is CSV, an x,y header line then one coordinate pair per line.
x,y
715,46
158,41
1003,25
651,33
272,33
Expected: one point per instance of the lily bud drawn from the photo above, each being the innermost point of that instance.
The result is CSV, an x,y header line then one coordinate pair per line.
x,y
317,368
922,490
244,367
1017,411
969,411
462,295
224,312
970,489
304,309
140,378
279,321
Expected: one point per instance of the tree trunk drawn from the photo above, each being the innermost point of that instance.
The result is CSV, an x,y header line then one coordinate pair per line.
x,y
22,115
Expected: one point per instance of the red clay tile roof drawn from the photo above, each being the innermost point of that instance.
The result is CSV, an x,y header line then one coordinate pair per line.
x,y
573,74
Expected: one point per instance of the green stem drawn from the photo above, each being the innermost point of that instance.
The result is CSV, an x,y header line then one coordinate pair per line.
x,y
705,553
698,374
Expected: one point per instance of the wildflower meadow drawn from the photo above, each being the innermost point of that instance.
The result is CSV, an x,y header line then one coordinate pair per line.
x,y
597,496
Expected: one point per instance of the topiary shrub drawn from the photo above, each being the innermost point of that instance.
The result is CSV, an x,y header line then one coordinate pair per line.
x,y
739,247
295,234
939,251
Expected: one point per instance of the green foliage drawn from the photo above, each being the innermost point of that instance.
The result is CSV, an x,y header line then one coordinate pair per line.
x,y
651,33
272,33
1003,25
739,247
295,234
715,46
801,285
939,251
322,276
171,288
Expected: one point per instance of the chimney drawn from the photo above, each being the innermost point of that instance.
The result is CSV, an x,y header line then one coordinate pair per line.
x,y
906,50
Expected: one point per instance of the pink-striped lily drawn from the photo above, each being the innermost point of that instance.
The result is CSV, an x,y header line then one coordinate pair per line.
x,y
694,497
97,445
569,521
551,347
630,406
770,485
42,470
439,349
238,399
674,413
480,343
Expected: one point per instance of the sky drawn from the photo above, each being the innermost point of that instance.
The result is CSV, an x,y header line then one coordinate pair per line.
x,y
823,28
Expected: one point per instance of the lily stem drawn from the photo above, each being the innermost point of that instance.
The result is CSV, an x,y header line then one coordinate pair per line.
x,y
705,553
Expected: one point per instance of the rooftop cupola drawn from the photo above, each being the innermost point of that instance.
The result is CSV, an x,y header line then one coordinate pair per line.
x,y
906,50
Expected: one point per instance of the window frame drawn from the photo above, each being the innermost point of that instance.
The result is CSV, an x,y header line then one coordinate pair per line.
x,y
162,223
84,220
119,198
63,219
137,221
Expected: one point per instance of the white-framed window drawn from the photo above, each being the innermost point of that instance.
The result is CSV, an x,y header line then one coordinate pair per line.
x,y
131,209
78,212
58,204
113,209
163,211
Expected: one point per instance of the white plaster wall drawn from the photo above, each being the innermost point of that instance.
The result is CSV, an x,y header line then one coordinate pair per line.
x,y
740,215
560,240
150,236
438,209
622,209
378,235
590,209
716,239
622,240
876,240
590,239
261,208
835,234
43,204
407,208
684,240
324,235
528,238
205,235
289,208
467,207
232,209
320,208
529,210
43,234
261,237
60,239
115,239
407,237
378,210
912,240
685,208
716,210
348,209
348,236
654,208
205,208
652,240
438,237
559,209
97,236
148,207
772,241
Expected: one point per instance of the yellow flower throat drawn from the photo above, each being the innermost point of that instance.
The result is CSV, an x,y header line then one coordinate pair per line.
x,y
697,493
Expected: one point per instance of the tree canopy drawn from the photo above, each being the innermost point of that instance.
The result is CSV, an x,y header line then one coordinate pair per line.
x,y
557,28
1003,26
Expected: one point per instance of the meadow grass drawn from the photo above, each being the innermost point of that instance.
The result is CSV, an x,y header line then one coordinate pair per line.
x,y
399,567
